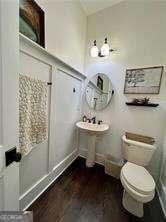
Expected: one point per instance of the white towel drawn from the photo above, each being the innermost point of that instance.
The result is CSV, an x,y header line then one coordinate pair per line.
x,y
33,97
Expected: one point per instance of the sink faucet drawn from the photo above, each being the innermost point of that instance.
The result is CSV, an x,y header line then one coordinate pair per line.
x,y
94,120
99,122
84,118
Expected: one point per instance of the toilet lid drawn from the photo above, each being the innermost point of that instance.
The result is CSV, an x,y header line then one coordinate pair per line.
x,y
138,178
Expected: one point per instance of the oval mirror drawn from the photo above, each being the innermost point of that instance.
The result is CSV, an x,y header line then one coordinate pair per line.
x,y
99,92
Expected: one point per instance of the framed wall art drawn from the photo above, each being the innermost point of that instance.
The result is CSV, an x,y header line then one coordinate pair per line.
x,y
143,80
31,21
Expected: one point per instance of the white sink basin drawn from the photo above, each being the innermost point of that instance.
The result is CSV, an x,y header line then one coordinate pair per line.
x,y
93,131
93,128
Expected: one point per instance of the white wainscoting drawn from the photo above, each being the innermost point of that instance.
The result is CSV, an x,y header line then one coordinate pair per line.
x,y
37,189
34,165
48,162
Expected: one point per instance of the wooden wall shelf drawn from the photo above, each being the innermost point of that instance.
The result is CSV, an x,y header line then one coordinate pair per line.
x,y
139,104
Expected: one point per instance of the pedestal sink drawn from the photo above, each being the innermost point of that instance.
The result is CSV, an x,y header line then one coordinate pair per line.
x,y
93,131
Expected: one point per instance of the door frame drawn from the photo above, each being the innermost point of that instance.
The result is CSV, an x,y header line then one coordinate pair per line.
x,y
9,105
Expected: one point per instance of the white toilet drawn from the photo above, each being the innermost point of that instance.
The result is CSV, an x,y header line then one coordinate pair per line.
x,y
139,186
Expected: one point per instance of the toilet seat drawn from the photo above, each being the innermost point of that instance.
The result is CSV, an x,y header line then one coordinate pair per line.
x,y
138,182
138,178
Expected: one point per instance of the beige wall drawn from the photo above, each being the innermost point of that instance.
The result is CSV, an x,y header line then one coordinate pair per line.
x,y
65,31
137,30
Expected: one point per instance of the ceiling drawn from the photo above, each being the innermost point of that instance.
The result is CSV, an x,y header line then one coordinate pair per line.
x,y
92,6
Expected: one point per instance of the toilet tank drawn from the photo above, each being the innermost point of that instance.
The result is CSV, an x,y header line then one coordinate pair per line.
x,y
137,152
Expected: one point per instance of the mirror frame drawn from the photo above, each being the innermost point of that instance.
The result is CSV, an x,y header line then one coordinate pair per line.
x,y
86,85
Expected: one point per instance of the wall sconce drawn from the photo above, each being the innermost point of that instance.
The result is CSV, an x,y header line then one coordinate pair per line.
x,y
105,50
94,50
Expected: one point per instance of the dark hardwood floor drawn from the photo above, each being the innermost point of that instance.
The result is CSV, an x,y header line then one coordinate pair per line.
x,y
81,194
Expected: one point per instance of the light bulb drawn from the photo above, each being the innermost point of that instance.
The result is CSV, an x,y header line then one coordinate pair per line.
x,y
94,50
105,49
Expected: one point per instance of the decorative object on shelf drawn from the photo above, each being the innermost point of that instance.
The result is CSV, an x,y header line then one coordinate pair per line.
x,y
143,80
141,102
105,50
31,21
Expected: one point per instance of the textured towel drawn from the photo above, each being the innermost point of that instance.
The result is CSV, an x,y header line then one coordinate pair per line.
x,y
33,97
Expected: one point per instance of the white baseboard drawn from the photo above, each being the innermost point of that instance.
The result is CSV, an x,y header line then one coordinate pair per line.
x,y
161,190
100,158
36,190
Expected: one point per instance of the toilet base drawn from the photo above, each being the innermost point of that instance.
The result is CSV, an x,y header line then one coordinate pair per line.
x,y
132,205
